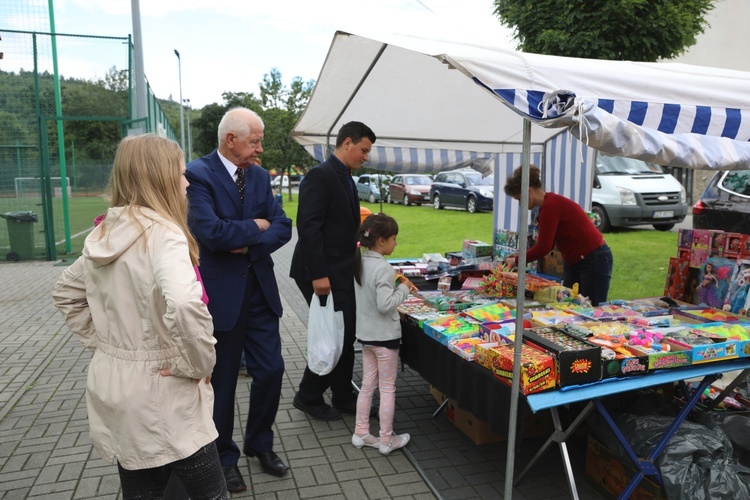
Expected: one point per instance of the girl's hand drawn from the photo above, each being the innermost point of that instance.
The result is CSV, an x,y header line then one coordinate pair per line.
x,y
164,372
412,287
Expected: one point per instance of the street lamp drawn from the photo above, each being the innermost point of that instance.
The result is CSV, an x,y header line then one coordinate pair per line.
x,y
182,113
190,135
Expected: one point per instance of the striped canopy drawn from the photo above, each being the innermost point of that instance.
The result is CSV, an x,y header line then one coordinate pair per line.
x,y
437,105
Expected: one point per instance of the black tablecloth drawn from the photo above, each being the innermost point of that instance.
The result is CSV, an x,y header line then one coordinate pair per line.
x,y
473,387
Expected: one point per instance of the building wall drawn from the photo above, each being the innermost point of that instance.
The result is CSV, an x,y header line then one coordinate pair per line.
x,y
723,45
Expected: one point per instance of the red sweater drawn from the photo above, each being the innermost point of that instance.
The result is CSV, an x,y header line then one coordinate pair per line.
x,y
563,222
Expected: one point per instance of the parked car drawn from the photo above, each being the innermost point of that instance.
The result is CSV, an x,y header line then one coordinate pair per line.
x,y
725,203
629,192
463,188
279,182
409,188
372,187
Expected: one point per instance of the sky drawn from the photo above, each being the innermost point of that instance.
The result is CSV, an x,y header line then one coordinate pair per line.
x,y
229,45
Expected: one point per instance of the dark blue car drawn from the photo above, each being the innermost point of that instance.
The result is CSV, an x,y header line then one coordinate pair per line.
x,y
463,189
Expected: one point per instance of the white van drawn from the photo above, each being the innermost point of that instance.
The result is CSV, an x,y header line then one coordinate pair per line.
x,y
630,192
279,182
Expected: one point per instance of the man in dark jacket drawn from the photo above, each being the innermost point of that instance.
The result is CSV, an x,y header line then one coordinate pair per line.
x,y
323,261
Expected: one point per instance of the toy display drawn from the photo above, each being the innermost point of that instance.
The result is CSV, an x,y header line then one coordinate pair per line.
x,y
736,332
465,347
711,315
737,297
495,285
578,362
706,346
537,367
532,283
554,317
677,276
447,328
715,278
490,312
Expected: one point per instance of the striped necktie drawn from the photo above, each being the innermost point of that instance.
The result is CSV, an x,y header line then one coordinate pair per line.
x,y
241,184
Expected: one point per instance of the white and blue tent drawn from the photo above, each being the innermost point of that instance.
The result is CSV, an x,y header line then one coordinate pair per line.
x,y
439,105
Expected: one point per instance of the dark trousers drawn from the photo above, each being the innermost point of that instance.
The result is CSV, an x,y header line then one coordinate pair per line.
x,y
312,386
593,275
200,474
257,333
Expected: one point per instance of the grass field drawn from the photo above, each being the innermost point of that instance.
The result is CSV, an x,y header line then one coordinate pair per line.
x,y
641,255
82,211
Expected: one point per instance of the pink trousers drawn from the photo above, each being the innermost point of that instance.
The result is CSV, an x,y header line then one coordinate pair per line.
x,y
379,369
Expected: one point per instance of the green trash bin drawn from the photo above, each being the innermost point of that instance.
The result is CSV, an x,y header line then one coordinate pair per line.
x,y
20,234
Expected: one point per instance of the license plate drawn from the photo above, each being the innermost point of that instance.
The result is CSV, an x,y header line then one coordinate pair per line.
x,y
663,214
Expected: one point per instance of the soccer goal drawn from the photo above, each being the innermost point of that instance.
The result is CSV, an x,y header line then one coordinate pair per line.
x,y
31,187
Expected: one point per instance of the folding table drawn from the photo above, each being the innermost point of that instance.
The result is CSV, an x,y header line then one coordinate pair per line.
x,y
593,393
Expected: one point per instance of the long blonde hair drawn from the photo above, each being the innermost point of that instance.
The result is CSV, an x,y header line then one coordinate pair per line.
x,y
147,172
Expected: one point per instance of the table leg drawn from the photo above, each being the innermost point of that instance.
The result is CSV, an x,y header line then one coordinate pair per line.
x,y
560,436
728,389
646,467
440,408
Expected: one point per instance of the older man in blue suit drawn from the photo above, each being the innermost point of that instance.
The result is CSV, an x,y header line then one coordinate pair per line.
x,y
238,225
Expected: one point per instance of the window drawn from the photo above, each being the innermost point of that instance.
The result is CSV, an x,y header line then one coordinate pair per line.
x,y
737,182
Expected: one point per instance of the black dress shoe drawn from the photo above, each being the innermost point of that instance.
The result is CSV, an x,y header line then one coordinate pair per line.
x,y
318,412
269,460
234,480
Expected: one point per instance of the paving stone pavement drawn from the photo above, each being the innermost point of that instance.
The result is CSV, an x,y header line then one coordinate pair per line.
x,y
45,451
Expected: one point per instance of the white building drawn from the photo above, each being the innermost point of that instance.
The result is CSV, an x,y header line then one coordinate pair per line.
x,y
724,44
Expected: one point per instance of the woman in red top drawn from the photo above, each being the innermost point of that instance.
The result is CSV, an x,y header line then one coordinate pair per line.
x,y
562,222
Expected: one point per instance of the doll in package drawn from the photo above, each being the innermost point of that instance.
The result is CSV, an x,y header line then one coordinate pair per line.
x,y
714,281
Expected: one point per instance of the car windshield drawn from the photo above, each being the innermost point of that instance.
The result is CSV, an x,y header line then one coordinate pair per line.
x,y
418,181
477,180
618,165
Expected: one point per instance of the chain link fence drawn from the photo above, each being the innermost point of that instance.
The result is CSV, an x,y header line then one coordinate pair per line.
x,y
65,103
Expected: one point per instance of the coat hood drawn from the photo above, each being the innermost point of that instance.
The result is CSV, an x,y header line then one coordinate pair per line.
x,y
121,228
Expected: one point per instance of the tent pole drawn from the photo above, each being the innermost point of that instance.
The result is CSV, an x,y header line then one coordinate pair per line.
x,y
523,226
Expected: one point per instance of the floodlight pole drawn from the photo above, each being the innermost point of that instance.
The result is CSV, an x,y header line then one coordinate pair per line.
x,y
189,133
182,112
139,80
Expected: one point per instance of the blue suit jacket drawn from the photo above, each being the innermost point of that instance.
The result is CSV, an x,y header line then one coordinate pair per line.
x,y
220,225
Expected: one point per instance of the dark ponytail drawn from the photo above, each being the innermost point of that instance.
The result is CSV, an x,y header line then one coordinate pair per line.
x,y
375,226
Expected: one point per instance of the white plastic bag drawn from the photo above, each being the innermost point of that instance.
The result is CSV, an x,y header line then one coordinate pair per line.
x,y
325,336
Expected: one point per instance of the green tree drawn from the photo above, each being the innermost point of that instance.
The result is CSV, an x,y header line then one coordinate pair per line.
x,y
204,128
278,105
634,30
282,108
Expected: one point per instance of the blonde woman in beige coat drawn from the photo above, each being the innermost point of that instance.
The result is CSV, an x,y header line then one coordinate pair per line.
x,y
133,299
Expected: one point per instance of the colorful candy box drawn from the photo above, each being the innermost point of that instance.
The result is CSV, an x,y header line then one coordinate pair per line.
x,y
735,332
711,315
465,347
537,367
447,328
551,317
677,356
578,362
490,312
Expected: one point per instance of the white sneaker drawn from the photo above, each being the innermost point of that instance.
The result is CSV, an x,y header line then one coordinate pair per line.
x,y
397,441
366,440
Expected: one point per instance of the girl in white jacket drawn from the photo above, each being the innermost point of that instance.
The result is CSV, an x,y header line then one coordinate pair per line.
x,y
379,292
133,299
